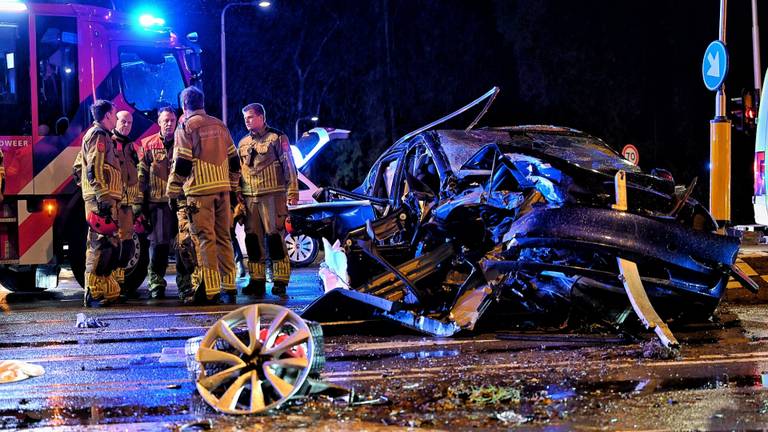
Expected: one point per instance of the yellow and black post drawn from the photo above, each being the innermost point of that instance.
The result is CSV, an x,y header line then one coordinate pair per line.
x,y
715,68
720,173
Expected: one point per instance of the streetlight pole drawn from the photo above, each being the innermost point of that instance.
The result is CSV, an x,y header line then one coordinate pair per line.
x,y
756,68
296,126
262,4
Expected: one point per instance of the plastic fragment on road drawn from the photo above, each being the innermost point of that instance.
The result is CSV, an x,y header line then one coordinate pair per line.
x,y
633,285
17,370
333,271
89,322
511,417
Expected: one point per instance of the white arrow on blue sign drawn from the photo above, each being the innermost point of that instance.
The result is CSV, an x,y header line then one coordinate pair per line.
x,y
714,68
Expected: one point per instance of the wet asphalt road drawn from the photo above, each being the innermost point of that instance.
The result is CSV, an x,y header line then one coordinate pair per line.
x,y
131,374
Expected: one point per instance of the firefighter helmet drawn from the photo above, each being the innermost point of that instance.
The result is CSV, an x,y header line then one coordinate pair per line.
x,y
104,225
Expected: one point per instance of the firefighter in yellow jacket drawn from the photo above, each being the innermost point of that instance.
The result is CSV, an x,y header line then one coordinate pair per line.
x,y
128,158
205,165
155,156
269,177
102,186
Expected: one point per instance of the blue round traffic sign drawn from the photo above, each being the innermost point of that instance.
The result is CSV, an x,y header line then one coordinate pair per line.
x,y
714,68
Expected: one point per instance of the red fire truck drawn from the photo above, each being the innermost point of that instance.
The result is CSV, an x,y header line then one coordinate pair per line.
x,y
56,57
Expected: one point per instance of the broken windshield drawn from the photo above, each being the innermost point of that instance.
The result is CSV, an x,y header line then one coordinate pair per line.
x,y
583,151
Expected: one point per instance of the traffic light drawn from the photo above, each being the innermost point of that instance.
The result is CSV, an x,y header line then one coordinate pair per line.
x,y
749,102
744,114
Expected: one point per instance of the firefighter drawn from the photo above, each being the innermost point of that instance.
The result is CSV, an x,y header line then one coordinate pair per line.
x,y
128,158
205,164
155,156
102,186
269,177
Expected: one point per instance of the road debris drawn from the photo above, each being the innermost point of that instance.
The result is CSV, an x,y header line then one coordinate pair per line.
x,y
89,322
17,370
511,417
333,270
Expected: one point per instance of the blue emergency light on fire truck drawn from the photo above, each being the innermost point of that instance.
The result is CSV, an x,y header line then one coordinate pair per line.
x,y
56,60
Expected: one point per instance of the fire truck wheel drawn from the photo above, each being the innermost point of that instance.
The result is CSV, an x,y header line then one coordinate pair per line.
x,y
19,279
138,266
76,239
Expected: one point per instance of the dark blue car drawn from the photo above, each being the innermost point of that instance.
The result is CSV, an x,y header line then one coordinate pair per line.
x,y
526,221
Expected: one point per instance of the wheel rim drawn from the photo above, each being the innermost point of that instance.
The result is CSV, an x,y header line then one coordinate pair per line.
x,y
254,359
131,266
300,248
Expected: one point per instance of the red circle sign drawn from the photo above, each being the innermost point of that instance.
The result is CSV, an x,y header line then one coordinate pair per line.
x,y
631,154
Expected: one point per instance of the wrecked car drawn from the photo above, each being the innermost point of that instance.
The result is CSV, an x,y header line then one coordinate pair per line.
x,y
536,223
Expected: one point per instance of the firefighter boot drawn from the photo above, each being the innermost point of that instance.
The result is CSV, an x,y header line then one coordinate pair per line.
x,y
184,283
197,297
100,290
158,264
281,273
242,270
255,288
278,289
228,297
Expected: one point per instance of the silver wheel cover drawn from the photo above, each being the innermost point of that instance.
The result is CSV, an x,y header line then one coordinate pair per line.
x,y
254,359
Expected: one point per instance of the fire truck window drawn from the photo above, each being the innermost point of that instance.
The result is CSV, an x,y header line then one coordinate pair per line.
x,y
57,82
151,78
15,112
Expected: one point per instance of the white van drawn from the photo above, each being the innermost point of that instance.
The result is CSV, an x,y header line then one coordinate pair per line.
x,y
759,201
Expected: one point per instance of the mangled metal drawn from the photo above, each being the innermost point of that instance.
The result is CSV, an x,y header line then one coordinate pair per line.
x,y
534,221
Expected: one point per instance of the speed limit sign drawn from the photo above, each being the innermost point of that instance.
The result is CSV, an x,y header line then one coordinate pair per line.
x,y
631,154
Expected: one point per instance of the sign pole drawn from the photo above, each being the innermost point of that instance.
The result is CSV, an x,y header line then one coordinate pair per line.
x,y
720,145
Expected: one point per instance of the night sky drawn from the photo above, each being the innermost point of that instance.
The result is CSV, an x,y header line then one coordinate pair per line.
x,y
626,71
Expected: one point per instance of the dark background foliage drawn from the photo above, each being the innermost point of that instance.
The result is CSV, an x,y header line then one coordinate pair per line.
x,y
626,71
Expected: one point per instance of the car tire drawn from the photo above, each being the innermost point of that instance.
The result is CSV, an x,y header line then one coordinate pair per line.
x,y
302,249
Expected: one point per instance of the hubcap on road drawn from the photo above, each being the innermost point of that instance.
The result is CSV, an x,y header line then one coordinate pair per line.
x,y
254,359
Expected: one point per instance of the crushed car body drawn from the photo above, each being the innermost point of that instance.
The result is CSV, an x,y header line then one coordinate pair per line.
x,y
534,223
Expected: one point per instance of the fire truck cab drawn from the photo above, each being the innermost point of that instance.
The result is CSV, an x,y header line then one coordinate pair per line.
x,y
55,60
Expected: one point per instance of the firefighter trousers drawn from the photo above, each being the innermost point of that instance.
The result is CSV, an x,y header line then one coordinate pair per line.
x,y
127,246
101,259
265,236
164,229
187,246
210,220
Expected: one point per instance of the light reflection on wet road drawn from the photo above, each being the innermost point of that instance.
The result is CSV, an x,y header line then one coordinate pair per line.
x,y
132,375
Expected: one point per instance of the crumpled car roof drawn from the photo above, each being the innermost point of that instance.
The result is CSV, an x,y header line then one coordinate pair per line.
x,y
568,144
